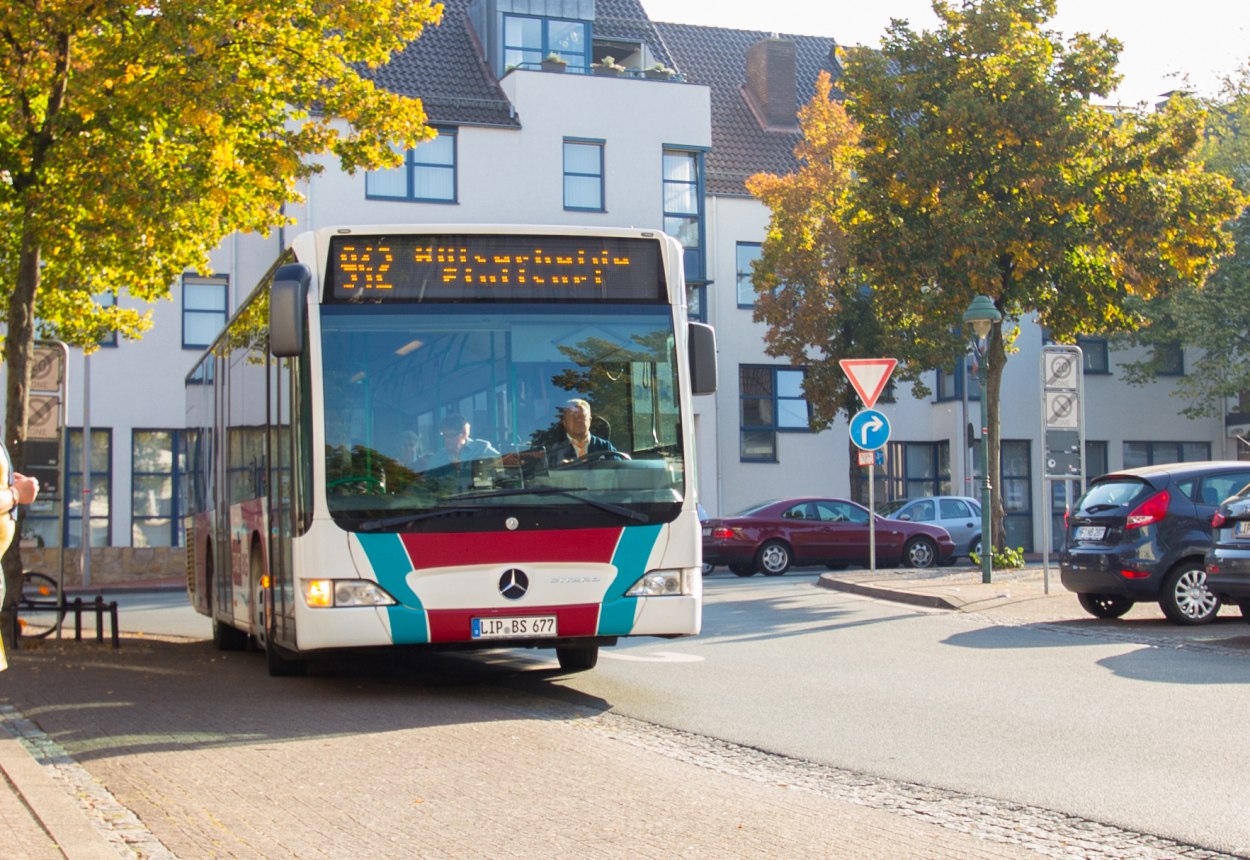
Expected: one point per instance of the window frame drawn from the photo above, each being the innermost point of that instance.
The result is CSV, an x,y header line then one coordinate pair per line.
x,y
775,401
194,279
545,46
567,174
414,166
177,449
694,257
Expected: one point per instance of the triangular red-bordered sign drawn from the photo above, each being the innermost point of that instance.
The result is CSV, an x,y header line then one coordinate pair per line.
x,y
868,376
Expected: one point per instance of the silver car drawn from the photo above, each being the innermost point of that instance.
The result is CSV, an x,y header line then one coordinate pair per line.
x,y
959,515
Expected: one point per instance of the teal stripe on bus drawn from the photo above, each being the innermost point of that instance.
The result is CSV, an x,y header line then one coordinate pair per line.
x,y
616,618
391,566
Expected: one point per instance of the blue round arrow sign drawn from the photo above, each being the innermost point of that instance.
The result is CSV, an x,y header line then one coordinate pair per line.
x,y
869,430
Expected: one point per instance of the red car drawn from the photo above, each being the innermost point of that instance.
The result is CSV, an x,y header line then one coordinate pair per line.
x,y
772,536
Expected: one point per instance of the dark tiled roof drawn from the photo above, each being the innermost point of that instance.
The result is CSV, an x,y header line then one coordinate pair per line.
x,y
717,58
445,69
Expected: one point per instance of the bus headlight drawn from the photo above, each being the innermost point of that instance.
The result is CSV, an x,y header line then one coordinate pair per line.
x,y
658,583
324,593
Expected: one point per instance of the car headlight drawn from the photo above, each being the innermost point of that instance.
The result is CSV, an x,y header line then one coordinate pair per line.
x,y
659,583
324,593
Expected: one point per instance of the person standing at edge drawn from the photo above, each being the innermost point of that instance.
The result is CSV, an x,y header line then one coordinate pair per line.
x,y
15,489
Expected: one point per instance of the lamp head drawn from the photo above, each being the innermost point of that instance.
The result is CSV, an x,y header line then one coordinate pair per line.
x,y
981,316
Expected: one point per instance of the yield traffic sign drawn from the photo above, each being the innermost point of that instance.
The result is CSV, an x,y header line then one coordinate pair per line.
x,y
869,429
868,376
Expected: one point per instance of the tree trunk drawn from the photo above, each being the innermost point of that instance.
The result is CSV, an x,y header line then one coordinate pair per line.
x,y
19,345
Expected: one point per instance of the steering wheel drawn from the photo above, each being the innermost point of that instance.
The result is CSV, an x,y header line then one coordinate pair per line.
x,y
594,457
358,485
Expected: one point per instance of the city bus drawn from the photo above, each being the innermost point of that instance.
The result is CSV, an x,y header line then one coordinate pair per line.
x,y
326,508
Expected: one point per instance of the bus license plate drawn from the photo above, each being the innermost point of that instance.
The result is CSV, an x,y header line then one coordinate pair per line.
x,y
514,627
1090,532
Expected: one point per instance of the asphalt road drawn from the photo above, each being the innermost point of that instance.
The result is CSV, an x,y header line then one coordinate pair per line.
x,y
1027,728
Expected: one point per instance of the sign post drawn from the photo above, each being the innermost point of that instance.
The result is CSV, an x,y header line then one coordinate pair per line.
x,y
869,429
1063,434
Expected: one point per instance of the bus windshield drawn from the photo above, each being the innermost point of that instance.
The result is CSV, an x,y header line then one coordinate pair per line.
x,y
440,416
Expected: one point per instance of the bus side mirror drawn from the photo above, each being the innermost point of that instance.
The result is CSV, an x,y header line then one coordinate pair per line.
x,y
701,347
288,306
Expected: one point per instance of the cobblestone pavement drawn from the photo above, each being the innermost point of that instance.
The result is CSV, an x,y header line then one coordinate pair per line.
x,y
172,749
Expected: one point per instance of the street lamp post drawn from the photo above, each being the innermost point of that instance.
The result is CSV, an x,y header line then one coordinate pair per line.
x,y
981,316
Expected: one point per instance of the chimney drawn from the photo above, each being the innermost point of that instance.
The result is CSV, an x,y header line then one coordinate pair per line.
x,y
771,82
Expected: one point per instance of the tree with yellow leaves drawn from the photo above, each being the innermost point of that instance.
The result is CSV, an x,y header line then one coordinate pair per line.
x,y
136,135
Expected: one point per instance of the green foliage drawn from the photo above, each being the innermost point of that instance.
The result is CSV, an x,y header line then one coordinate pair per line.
x,y
981,167
135,136
1216,317
1001,559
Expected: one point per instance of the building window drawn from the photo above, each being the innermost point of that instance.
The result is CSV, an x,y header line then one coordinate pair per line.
x,y
583,175
100,511
157,463
1171,358
683,207
428,174
747,254
950,384
771,400
526,40
696,301
1017,491
204,309
1095,465
1149,453
1094,355
107,300
917,469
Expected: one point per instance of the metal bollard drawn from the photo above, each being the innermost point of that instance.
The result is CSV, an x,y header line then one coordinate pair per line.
x,y
113,619
99,618
77,619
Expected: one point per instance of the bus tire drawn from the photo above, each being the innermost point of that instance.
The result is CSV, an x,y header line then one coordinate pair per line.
x,y
577,658
282,666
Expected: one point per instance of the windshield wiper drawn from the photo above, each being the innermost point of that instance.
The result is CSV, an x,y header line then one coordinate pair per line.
x,y
608,507
409,519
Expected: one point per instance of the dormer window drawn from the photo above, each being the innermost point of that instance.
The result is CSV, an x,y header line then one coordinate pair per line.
x,y
526,40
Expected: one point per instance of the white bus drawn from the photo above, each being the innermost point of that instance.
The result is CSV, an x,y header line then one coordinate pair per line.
x,y
328,506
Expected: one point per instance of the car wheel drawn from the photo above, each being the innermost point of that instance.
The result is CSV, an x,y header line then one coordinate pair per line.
x,y
708,568
1185,598
773,559
974,546
919,552
742,570
1104,605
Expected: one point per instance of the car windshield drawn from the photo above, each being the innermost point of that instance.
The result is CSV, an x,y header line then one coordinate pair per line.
x,y
397,376
885,509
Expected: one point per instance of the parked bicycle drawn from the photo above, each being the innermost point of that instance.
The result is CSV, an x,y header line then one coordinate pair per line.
x,y
41,607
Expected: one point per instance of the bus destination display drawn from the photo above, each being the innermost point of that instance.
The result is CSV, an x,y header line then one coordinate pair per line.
x,y
469,267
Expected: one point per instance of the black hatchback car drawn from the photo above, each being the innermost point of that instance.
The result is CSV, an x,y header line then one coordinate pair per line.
x,y
1228,560
1143,534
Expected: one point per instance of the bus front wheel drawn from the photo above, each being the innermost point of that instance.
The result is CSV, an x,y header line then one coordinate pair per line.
x,y
577,658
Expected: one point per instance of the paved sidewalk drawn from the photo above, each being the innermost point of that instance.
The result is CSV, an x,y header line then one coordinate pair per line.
x,y
1024,593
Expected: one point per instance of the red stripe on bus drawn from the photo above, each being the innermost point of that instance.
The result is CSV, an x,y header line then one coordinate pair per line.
x,y
455,625
446,550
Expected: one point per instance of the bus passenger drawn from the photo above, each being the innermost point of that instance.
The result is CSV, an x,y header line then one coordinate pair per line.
x,y
458,446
